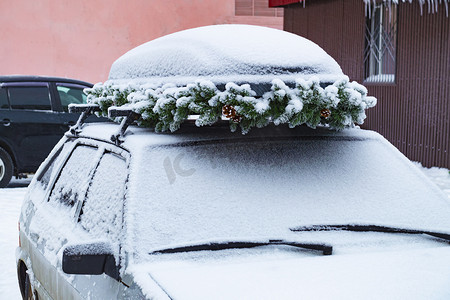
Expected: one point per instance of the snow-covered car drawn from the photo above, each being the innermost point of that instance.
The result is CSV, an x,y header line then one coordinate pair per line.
x,y
292,209
151,212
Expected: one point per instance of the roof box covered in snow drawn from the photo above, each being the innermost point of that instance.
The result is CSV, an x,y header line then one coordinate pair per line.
x,y
250,75
224,53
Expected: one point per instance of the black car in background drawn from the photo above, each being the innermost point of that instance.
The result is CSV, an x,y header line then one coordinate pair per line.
x,y
33,117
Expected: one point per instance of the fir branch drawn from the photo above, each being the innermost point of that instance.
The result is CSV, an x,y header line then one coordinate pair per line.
x,y
166,107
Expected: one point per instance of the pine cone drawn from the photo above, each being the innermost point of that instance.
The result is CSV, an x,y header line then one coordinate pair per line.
x,y
326,113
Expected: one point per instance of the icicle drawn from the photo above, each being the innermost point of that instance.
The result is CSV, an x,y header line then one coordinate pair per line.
x,y
390,11
374,5
433,5
367,8
421,7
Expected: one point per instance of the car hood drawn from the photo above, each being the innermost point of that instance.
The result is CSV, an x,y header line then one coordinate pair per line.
x,y
411,274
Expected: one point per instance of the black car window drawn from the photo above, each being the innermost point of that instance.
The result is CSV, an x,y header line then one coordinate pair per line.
x,y
29,97
3,99
71,185
70,94
101,213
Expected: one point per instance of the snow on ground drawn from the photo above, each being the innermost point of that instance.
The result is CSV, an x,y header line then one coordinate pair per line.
x,y
10,203
440,176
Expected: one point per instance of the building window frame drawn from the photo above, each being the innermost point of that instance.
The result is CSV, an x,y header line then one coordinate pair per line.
x,y
380,51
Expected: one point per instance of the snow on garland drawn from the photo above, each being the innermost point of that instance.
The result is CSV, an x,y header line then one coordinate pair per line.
x,y
339,105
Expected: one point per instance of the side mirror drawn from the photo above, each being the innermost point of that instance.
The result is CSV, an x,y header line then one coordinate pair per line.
x,y
90,259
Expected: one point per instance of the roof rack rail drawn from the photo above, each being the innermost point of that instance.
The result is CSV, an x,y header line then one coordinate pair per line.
x,y
86,110
129,117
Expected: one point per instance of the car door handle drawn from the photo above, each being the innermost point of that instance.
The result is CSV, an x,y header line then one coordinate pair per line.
x,y
70,123
6,122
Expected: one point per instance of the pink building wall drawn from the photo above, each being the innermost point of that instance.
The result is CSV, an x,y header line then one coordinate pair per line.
x,y
81,39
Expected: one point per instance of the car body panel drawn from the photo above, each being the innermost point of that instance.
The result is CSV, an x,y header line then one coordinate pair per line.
x,y
362,265
407,274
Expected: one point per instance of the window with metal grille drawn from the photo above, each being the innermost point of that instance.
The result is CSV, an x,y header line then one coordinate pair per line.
x,y
381,44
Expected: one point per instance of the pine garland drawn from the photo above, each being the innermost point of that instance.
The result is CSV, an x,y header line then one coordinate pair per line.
x,y
164,108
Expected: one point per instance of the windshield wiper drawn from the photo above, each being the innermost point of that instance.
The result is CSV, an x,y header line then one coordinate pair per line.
x,y
214,246
373,228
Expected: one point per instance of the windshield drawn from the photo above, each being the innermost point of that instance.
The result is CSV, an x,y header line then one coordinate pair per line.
x,y
246,190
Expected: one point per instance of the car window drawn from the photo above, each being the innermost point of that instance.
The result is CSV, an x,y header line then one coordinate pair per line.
x,y
263,188
3,99
73,180
44,177
101,213
33,97
71,94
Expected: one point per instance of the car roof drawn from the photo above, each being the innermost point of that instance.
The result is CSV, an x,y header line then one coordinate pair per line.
x,y
27,78
189,133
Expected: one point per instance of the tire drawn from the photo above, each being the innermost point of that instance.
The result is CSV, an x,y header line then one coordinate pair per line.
x,y
26,289
28,293
6,168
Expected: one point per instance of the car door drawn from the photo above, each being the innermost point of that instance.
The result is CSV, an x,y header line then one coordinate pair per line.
x,y
100,216
52,225
39,234
28,124
83,203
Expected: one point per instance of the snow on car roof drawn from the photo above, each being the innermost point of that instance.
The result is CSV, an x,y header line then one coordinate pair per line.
x,y
224,53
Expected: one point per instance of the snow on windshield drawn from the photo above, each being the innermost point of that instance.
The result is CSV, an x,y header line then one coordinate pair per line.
x,y
228,53
244,191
